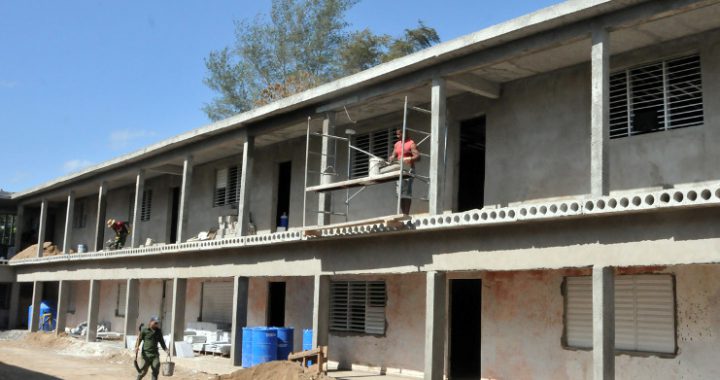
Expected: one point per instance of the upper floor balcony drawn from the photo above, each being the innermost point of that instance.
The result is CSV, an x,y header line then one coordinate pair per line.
x,y
534,119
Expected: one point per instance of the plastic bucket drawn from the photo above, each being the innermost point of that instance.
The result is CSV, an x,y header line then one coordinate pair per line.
x,y
168,368
375,165
284,342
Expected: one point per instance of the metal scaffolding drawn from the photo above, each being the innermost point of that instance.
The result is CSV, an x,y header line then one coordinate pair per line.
x,y
359,184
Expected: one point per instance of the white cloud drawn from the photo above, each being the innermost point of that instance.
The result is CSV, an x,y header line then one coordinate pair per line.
x,y
121,138
8,83
73,166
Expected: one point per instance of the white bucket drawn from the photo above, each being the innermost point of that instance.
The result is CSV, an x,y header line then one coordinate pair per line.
x,y
82,248
375,165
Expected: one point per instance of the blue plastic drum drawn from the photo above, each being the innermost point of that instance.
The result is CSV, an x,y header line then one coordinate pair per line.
x,y
285,342
264,345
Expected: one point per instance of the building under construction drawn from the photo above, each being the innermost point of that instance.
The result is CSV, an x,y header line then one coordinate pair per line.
x,y
563,221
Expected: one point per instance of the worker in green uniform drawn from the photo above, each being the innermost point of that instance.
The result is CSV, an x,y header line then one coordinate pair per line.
x,y
150,337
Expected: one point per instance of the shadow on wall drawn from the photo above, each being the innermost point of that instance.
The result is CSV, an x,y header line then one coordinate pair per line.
x,y
11,372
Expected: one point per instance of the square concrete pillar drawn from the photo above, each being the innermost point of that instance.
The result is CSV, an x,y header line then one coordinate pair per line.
x,y
14,305
62,303
246,178
42,226
438,130
100,217
184,198
435,322
328,161
36,300
239,318
69,216
603,293
137,208
132,307
321,310
93,310
177,326
600,113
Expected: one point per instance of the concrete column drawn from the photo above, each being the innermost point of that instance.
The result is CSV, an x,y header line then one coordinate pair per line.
x,y
137,208
600,113
246,183
132,307
603,290
435,320
100,220
239,318
438,127
62,303
184,198
327,165
19,225
177,327
93,310
14,305
321,310
36,300
42,226
69,216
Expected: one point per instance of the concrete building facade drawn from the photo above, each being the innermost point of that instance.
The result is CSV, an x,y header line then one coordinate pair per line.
x,y
564,226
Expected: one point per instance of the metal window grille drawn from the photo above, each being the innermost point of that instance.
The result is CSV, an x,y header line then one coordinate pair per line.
x,y
80,214
644,313
121,298
656,97
227,186
358,306
7,230
379,143
146,206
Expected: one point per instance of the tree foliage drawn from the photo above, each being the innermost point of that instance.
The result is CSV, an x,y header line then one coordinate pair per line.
x,y
299,45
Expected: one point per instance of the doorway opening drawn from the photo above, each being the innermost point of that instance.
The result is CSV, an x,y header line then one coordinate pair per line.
x,y
465,322
276,304
283,191
174,213
471,180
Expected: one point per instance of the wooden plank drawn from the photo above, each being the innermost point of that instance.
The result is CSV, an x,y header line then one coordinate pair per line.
x,y
357,182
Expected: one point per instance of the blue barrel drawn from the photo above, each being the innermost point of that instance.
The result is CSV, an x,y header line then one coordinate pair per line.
x,y
307,339
44,323
285,342
247,347
264,345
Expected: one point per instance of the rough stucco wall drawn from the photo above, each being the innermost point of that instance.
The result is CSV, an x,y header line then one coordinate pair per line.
x,y
86,235
201,214
522,327
80,295
538,143
402,347
298,303
108,305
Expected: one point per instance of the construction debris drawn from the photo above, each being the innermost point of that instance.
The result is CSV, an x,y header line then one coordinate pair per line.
x,y
49,249
318,356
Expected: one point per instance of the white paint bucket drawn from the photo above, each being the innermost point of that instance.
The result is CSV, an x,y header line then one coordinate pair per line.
x,y
149,242
374,166
82,248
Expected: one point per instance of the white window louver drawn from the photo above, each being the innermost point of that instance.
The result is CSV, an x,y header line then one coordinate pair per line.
x,y
227,184
656,97
358,306
378,143
146,206
217,298
121,300
644,313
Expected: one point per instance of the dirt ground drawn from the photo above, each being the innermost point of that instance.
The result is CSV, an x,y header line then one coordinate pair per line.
x,y
42,356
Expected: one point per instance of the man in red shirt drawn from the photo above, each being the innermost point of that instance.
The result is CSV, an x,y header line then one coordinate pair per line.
x,y
121,232
408,152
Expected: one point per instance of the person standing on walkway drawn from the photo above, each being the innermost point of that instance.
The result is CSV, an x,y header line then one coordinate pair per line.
x,y
150,337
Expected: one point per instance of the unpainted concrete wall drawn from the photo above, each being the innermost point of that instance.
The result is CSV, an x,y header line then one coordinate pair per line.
x,y
522,326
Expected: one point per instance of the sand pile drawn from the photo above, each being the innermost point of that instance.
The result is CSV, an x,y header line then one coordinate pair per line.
x,y
49,249
278,370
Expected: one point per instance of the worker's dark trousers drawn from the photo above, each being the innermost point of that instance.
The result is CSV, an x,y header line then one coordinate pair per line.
x,y
150,362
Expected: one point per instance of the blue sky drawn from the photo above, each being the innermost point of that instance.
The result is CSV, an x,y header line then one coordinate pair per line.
x,y
85,81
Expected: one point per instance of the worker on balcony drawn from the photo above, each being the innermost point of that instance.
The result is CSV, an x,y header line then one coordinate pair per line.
x,y
121,232
150,337
407,152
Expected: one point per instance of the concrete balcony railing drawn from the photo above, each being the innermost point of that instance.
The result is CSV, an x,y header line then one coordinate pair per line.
x,y
625,202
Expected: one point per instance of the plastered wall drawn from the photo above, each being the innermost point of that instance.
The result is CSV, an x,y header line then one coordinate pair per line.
x,y
522,326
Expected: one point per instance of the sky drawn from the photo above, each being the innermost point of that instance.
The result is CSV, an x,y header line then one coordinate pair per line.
x,y
85,81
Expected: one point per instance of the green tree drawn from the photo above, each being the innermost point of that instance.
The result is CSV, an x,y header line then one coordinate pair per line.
x,y
299,45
